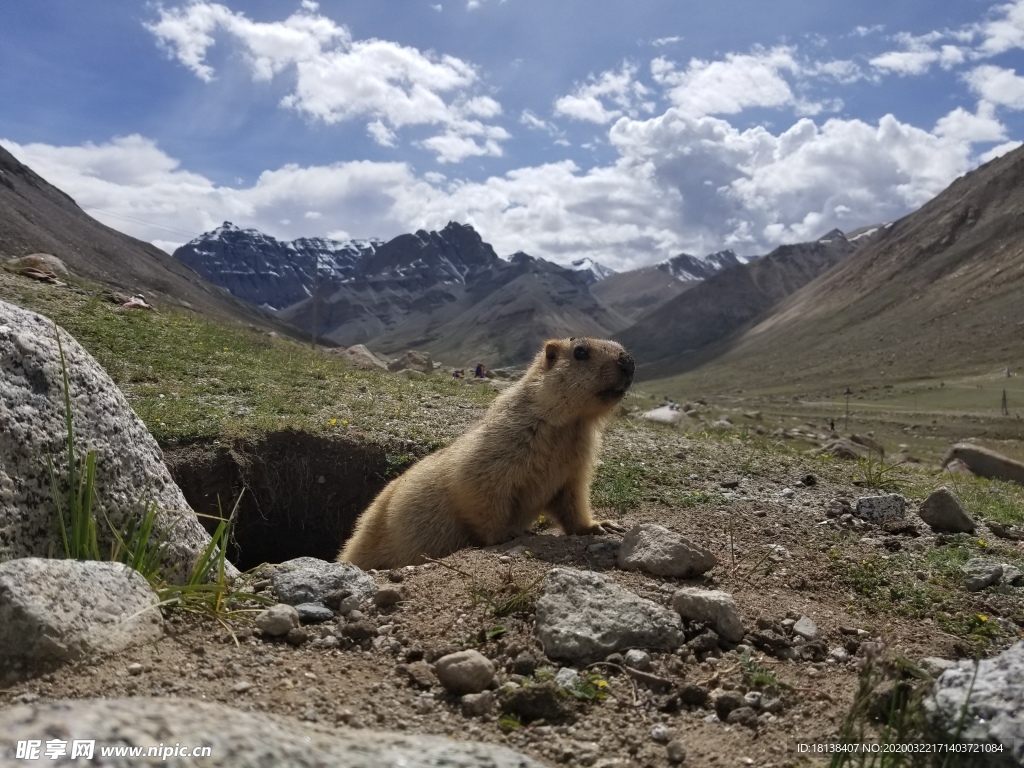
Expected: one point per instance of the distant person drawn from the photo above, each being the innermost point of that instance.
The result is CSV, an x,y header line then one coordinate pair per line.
x,y
831,425
479,372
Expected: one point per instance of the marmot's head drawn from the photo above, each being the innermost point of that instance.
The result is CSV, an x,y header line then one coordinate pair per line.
x,y
583,377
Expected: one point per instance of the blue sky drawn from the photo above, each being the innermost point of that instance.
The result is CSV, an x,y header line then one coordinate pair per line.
x,y
627,132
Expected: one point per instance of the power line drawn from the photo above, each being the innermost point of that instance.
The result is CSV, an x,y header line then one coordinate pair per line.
x,y
140,221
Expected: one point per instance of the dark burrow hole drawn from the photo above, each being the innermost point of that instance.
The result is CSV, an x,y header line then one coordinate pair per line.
x,y
302,493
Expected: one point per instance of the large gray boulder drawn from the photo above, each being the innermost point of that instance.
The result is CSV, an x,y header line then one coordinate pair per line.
x,y
64,610
235,739
993,712
412,361
582,617
359,356
129,464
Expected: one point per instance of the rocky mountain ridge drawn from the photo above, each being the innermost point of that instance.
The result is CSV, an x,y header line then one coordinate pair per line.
x,y
445,291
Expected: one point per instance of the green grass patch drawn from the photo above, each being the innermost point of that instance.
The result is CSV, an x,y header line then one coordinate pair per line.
x,y
190,379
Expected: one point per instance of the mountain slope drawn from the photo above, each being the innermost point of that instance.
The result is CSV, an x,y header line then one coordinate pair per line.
x,y
262,270
936,293
36,217
637,291
664,339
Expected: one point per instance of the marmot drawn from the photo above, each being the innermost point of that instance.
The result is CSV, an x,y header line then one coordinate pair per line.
x,y
532,453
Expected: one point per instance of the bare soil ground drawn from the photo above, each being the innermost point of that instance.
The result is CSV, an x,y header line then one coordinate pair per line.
x,y
781,555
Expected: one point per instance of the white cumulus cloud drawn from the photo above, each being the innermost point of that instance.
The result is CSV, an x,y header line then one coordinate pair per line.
x,y
590,100
338,78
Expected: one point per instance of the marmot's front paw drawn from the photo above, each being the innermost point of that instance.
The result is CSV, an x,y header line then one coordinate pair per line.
x,y
604,526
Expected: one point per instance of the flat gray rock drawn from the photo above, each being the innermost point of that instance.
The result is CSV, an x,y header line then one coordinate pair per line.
x,y
236,739
807,629
979,573
993,714
657,550
943,512
713,607
129,464
311,580
64,610
878,509
663,415
583,616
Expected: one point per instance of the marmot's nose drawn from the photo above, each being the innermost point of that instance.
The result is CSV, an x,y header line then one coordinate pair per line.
x,y
627,365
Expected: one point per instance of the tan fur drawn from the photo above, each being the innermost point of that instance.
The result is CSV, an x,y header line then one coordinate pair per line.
x,y
532,453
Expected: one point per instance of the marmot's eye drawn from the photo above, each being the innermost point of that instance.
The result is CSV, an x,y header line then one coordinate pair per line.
x,y
581,353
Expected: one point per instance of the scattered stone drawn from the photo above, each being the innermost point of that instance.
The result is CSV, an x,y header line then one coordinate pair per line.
x,y
418,674
743,716
935,666
465,671
296,636
839,655
870,443
981,574
313,613
705,642
787,493
814,650
725,702
986,463
412,361
388,597
657,550
311,580
241,686
770,641
65,610
567,678
663,415
360,357
693,695
944,513
278,620
476,704
843,448
129,466
543,701
1012,576
806,629
524,664
43,262
661,734
876,509
238,738
135,669
752,699
996,699
582,617
637,659
713,607
358,631
675,752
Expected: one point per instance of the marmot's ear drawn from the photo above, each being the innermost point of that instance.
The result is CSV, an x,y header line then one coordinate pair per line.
x,y
551,352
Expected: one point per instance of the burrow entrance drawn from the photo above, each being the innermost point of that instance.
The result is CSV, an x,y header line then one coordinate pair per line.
x,y
300,493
